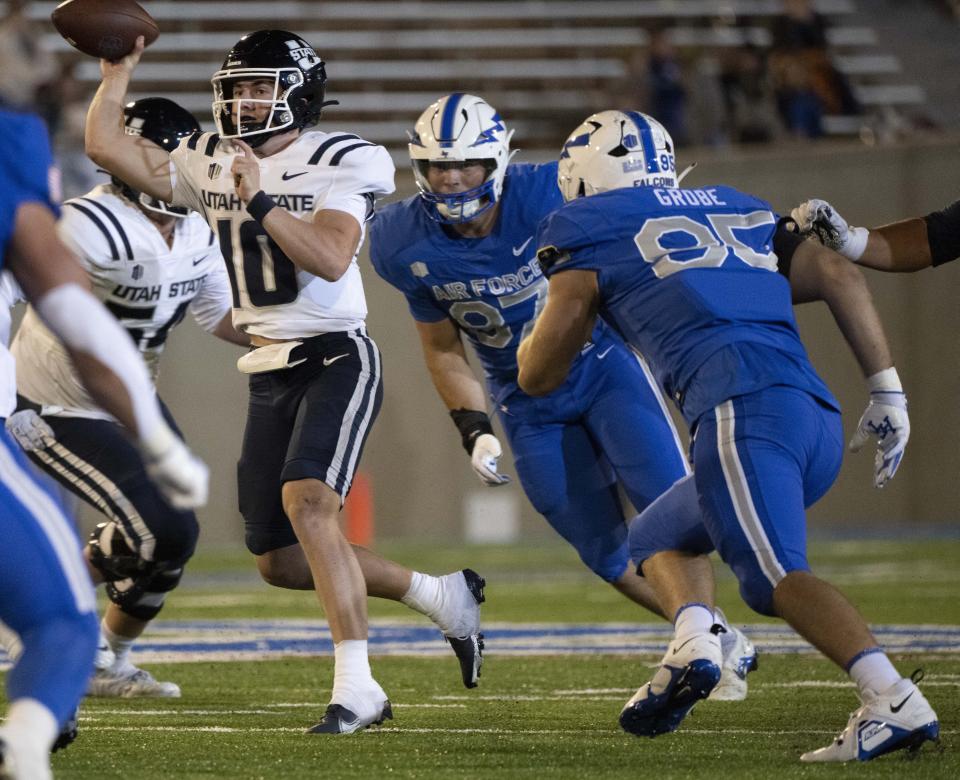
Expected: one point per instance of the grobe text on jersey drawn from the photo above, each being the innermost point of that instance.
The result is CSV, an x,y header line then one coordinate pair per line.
x,y
674,197
222,201
524,276
152,293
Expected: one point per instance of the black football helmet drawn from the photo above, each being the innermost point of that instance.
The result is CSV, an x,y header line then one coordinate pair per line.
x,y
296,73
165,123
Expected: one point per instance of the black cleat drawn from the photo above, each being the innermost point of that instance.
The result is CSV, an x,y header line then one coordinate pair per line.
x,y
339,720
68,733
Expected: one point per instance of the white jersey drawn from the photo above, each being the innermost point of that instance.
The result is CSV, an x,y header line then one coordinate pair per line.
x,y
10,293
146,284
318,171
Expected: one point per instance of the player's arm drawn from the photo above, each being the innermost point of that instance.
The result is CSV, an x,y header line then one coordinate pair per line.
x,y
902,247
820,274
226,332
103,354
463,395
324,246
135,160
563,327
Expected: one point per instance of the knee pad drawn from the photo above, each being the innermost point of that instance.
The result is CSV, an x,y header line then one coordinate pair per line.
x,y
143,597
112,553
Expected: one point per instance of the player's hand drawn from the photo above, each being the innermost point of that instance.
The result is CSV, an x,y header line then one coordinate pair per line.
x,y
30,430
886,419
819,218
486,453
125,65
181,476
246,171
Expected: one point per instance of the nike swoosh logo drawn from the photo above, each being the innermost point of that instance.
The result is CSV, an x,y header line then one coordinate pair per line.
x,y
602,355
518,250
329,361
287,175
684,644
897,707
197,262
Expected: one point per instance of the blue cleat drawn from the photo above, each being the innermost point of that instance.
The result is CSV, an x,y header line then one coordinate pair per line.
x,y
689,671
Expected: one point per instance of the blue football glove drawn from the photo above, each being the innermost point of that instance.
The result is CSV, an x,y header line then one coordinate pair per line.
x,y
886,419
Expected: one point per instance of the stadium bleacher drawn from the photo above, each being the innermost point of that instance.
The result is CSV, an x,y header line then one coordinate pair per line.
x,y
544,64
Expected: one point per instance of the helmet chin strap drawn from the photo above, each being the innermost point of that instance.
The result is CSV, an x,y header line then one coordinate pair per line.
x,y
686,170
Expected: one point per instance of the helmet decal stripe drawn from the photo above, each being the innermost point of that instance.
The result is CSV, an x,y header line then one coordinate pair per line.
x,y
447,121
646,141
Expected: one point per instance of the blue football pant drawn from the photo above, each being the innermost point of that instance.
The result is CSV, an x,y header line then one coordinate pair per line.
x,y
759,461
46,595
606,423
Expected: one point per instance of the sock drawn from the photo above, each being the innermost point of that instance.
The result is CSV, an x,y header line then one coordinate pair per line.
x,y
353,683
872,670
119,644
30,722
693,618
424,593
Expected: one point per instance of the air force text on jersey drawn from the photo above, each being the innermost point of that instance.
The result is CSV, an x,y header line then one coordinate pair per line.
x,y
504,284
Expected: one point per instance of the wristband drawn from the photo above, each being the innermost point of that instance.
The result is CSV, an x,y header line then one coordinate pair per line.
x,y
886,381
856,243
260,205
471,424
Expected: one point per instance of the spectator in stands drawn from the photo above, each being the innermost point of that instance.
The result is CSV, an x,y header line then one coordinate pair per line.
x,y
800,43
799,105
26,64
749,101
665,87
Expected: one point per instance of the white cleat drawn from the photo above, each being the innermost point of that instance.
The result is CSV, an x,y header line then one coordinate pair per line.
x,y
459,619
129,682
739,659
897,719
23,761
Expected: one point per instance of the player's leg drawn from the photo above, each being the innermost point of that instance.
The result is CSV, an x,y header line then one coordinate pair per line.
x,y
47,600
627,415
567,479
139,552
756,470
275,424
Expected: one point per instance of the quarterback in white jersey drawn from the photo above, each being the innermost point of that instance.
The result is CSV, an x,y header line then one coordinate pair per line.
x,y
149,264
289,206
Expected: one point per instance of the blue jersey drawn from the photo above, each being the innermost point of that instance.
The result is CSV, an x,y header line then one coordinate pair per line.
x,y
689,278
26,170
492,287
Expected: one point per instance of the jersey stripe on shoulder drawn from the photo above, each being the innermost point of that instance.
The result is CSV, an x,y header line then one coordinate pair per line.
x,y
212,142
115,254
328,143
116,223
338,155
193,140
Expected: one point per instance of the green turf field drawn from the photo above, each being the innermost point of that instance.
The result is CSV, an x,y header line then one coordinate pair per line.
x,y
533,716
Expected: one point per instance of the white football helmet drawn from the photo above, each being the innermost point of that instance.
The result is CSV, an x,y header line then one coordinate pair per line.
x,y
614,149
459,128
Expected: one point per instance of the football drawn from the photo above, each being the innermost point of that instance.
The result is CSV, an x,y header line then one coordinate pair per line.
x,y
106,29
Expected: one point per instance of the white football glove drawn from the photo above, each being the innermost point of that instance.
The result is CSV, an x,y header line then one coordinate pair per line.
x,y
179,474
886,419
821,219
30,430
486,452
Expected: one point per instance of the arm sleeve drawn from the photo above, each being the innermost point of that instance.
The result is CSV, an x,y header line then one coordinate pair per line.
x,y
214,299
785,243
181,181
943,233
